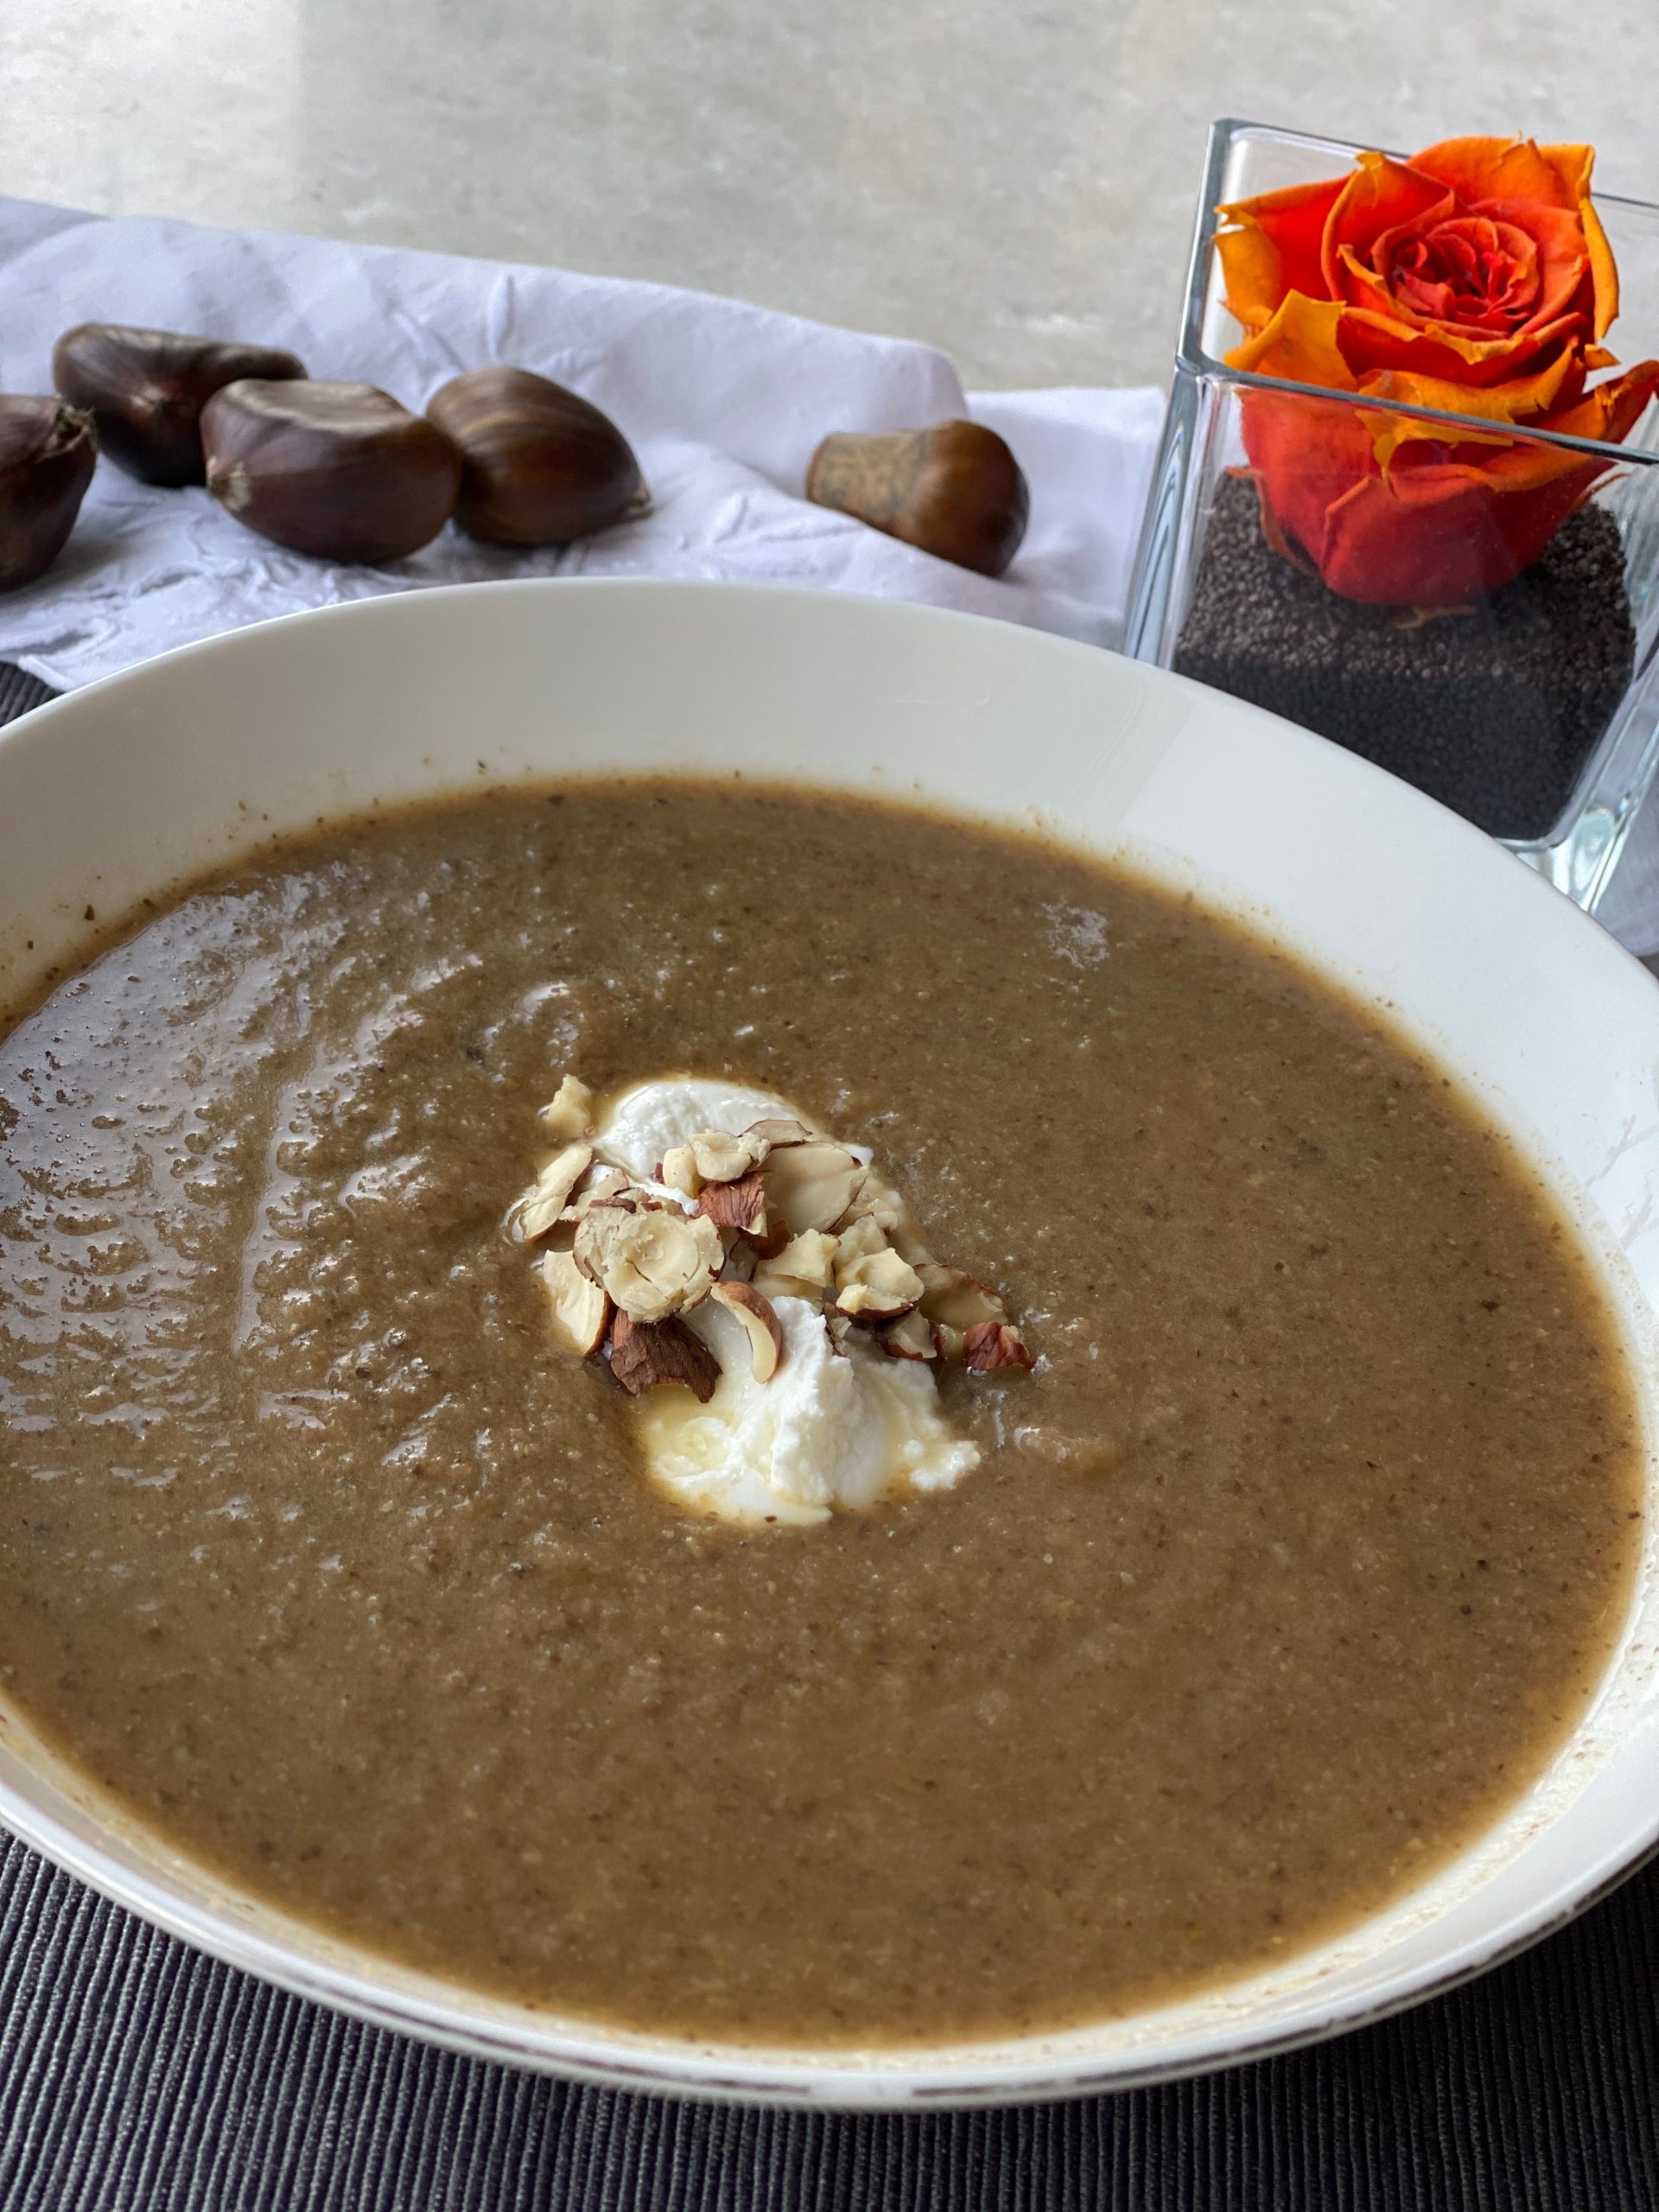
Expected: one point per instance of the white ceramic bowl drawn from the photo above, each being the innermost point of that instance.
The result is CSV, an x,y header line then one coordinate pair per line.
x,y
122,789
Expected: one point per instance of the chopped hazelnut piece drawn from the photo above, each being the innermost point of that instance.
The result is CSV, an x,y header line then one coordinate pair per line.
x,y
880,1282
760,1323
542,1205
645,1353
723,1159
956,1299
581,1311
808,1258
812,1185
778,1132
608,1187
911,1336
741,1205
679,1171
652,1264
862,1239
993,1344
886,1209
569,1112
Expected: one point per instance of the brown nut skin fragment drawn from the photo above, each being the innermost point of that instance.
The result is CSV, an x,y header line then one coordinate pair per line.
x,y
340,471
541,466
991,1345
955,491
146,389
646,1353
47,451
741,1205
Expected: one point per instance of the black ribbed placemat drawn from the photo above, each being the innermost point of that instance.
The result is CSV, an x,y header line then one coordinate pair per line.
x,y
136,2075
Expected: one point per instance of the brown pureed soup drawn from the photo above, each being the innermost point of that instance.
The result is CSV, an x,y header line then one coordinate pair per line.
x,y
1284,1572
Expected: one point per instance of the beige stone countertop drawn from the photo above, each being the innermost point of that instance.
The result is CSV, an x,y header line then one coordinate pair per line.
x,y
1014,182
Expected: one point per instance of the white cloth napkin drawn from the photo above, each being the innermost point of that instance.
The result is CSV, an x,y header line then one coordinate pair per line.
x,y
723,404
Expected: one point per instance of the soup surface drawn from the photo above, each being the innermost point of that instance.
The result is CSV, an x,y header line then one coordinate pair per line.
x,y
1287,1568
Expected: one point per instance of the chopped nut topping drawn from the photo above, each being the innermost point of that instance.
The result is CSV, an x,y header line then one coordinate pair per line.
x,y
542,1205
811,1184
993,1344
808,1259
741,1205
652,1264
760,1323
911,1336
862,1239
778,1132
722,1158
569,1112
679,1171
776,1211
645,1353
886,1209
581,1311
878,1282
957,1301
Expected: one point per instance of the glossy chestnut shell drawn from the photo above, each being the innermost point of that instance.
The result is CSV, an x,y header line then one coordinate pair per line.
x,y
146,389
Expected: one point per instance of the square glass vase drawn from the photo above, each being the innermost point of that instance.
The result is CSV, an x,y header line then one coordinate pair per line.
x,y
1533,707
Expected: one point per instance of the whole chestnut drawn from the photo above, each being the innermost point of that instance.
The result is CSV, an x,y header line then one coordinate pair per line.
x,y
47,451
146,389
955,491
339,470
540,465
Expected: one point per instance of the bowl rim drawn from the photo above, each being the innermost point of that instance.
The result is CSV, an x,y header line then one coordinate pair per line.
x,y
881,2077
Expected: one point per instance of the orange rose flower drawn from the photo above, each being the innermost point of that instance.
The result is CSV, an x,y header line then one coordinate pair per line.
x,y
1475,279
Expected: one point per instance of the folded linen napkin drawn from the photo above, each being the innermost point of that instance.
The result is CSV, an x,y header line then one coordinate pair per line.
x,y
723,402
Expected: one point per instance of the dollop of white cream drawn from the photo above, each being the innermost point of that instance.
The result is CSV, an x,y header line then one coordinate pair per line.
x,y
642,1124
828,1430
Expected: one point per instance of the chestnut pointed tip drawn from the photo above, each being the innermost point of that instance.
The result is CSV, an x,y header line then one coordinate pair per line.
x,y
48,453
342,472
147,389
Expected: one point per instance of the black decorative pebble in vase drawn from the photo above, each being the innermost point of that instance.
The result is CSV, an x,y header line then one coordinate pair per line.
x,y
1494,710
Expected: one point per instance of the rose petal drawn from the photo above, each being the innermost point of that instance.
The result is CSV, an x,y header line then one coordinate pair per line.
x,y
1381,195
1300,342
1479,169
1371,343
1603,274
1612,410
1522,400
1437,531
1305,455
1271,246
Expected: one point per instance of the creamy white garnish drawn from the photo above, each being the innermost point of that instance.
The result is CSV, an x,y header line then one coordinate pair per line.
x,y
827,1429
652,1118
